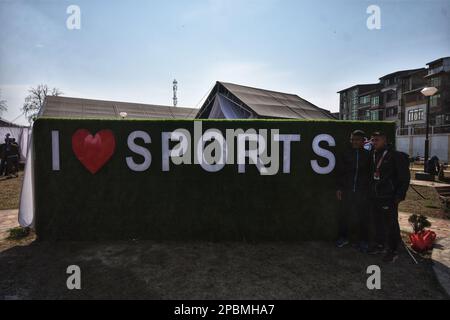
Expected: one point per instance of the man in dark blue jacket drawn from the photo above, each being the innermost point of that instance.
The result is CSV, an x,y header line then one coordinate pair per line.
x,y
390,179
353,169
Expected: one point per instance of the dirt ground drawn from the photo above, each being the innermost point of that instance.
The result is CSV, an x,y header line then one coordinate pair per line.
x,y
10,192
430,206
149,270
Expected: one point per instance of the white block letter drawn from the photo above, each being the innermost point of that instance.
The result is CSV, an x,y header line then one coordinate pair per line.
x,y
324,154
287,139
55,150
139,150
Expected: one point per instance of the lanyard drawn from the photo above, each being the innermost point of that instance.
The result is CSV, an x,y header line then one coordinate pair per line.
x,y
379,161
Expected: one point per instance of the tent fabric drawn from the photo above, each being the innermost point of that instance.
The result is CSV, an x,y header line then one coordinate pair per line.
x,y
271,104
226,109
26,207
65,107
277,104
21,134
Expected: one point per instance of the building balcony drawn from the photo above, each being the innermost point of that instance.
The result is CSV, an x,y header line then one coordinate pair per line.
x,y
421,130
437,70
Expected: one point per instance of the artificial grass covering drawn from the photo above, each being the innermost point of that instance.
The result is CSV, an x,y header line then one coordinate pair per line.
x,y
187,202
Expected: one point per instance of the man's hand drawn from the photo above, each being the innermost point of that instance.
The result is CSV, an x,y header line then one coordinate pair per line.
x,y
339,195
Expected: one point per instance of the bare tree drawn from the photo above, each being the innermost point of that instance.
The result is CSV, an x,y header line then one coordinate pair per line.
x,y
3,105
35,100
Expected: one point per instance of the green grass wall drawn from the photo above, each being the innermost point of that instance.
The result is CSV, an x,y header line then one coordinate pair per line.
x,y
186,203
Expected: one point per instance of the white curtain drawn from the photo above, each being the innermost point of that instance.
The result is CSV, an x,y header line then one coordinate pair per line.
x,y
26,207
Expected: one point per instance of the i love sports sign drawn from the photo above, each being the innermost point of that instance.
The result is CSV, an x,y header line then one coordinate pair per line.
x,y
189,180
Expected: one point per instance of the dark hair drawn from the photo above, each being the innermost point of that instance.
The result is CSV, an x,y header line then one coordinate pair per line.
x,y
359,133
378,134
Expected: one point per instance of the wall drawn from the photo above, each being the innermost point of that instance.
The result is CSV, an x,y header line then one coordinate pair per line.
x,y
415,145
187,202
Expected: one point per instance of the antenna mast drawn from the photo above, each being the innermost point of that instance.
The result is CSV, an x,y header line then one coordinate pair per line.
x,y
175,89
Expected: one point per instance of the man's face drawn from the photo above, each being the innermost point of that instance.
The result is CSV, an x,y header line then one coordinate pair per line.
x,y
379,142
357,142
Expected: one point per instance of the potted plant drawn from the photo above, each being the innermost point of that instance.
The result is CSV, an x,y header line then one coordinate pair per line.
x,y
421,239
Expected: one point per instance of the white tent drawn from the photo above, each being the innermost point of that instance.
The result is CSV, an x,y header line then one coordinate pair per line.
x,y
20,133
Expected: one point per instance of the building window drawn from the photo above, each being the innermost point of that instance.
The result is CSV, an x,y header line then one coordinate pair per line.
x,y
374,115
391,96
391,112
415,115
364,100
440,120
435,82
375,101
434,100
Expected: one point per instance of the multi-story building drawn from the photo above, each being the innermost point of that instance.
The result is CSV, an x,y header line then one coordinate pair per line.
x,y
370,104
397,97
413,104
439,76
392,94
355,102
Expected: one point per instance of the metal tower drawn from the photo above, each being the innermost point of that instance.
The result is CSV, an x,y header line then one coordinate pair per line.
x,y
175,88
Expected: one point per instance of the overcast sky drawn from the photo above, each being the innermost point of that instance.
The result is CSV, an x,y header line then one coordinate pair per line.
x,y
132,50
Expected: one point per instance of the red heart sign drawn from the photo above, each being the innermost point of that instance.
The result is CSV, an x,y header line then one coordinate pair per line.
x,y
93,151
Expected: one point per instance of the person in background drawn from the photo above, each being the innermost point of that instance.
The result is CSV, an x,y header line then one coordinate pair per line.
x,y
3,160
15,155
353,169
390,178
433,166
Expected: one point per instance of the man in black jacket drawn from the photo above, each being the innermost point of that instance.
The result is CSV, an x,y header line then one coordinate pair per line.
x,y
390,181
353,169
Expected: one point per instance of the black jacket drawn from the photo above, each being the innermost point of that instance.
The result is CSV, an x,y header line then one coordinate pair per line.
x,y
353,168
394,175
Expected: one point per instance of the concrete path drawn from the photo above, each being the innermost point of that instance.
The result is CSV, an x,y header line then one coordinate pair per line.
x,y
441,250
428,184
8,220
440,226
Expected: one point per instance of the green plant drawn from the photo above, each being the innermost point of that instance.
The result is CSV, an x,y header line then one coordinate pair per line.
x,y
18,233
419,222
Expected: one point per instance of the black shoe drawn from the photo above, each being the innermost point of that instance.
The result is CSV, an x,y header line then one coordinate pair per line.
x,y
342,243
390,257
378,249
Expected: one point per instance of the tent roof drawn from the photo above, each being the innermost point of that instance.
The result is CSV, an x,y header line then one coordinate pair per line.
x,y
271,104
6,123
86,108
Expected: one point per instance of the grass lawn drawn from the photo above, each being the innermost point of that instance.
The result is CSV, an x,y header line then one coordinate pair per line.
x,y
10,192
150,270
